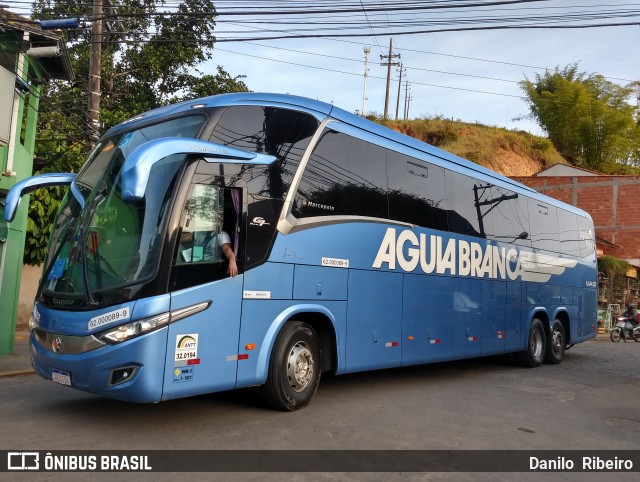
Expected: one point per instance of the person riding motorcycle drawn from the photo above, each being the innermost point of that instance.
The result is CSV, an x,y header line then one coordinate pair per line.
x,y
631,314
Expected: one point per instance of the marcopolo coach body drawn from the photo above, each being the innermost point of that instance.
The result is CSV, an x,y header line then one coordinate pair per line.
x,y
356,248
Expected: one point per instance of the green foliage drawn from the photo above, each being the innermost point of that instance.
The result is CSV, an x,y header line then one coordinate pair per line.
x,y
615,270
43,207
541,143
588,118
612,265
220,83
149,59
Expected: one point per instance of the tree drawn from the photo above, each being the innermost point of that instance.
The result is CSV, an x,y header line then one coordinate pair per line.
x,y
588,118
615,270
151,57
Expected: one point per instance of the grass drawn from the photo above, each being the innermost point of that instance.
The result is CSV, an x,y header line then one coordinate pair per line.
x,y
496,148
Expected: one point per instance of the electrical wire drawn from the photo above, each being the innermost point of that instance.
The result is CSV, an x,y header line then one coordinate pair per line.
x,y
339,21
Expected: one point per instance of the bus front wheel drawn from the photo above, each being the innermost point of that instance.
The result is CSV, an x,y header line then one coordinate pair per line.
x,y
294,368
534,354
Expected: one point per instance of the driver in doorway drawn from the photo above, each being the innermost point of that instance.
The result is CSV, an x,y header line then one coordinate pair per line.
x,y
232,270
224,241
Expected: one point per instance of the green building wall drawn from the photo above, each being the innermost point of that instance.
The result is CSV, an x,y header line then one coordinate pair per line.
x,y
12,250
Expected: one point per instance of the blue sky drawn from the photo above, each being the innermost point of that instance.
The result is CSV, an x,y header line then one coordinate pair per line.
x,y
332,70
468,75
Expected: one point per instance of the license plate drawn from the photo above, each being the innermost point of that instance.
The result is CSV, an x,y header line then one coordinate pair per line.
x,y
63,378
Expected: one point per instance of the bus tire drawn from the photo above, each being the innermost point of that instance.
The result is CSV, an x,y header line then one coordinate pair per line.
x,y
556,344
533,356
294,368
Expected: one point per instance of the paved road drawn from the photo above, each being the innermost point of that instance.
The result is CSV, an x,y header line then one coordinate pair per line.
x,y
590,401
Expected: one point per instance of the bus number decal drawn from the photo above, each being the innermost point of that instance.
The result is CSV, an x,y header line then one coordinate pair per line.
x,y
256,295
335,262
105,318
186,348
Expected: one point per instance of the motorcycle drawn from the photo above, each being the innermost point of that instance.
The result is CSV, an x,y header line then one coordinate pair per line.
x,y
625,330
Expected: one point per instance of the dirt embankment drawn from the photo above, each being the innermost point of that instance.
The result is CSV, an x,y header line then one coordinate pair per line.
x,y
511,153
511,164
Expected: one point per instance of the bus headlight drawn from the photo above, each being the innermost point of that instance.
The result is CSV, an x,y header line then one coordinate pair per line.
x,y
32,324
127,331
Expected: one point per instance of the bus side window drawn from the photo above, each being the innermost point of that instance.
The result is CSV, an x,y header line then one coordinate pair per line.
x,y
417,193
201,223
467,215
282,133
510,217
210,214
568,231
586,235
543,220
345,176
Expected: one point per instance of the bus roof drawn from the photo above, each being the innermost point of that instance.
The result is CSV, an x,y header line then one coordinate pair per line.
x,y
324,109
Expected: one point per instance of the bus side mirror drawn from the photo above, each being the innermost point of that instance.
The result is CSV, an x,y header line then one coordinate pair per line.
x,y
138,164
29,185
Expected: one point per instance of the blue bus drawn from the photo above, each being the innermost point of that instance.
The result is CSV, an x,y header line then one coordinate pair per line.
x,y
261,240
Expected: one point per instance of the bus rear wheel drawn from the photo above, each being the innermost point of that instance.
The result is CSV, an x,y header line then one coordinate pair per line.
x,y
294,368
556,344
533,356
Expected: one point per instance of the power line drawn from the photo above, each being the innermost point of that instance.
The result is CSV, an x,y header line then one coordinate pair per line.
x,y
370,76
409,67
392,10
352,9
375,39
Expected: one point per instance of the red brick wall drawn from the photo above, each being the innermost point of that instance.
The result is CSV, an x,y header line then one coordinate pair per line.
x,y
612,201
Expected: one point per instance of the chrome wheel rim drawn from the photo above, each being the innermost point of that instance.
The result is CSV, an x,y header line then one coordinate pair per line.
x,y
300,366
557,342
535,344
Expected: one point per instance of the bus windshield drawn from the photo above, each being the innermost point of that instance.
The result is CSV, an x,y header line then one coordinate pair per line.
x,y
109,243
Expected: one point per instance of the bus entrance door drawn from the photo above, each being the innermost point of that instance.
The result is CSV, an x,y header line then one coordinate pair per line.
x,y
202,348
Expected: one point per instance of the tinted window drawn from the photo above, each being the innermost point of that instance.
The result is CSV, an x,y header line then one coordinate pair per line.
x,y
280,132
465,216
568,232
510,217
587,236
543,222
344,176
417,193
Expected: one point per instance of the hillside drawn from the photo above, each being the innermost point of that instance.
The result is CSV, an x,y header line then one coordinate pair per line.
x,y
511,153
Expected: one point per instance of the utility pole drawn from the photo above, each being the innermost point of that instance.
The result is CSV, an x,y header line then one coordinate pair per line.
x,y
406,98
367,51
94,75
409,99
388,63
399,85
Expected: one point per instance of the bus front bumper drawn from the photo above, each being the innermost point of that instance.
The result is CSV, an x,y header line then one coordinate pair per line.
x,y
131,371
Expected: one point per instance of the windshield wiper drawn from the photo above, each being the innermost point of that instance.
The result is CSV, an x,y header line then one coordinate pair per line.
x,y
84,235
93,237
